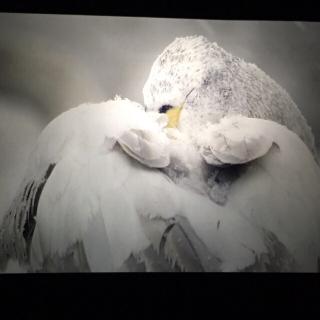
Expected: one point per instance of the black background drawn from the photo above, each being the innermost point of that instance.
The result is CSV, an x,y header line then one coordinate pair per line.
x,y
242,9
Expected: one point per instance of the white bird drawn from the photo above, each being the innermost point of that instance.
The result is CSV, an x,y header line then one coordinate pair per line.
x,y
111,187
97,197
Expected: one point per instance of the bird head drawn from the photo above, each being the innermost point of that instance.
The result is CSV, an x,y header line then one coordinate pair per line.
x,y
185,81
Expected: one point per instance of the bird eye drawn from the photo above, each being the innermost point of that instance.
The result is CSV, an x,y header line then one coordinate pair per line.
x,y
165,108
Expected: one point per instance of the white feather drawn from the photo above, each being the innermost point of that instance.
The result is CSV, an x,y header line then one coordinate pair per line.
x,y
279,193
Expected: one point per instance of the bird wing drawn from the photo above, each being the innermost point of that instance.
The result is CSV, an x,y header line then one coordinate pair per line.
x,y
18,224
83,209
82,133
112,213
277,186
80,214
106,211
235,140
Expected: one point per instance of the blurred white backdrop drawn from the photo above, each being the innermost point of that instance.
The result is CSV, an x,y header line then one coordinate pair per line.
x,y
50,63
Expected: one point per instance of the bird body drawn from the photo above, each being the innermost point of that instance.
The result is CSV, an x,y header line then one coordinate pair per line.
x,y
100,208
217,174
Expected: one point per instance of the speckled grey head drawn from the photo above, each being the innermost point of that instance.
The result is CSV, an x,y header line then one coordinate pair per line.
x,y
222,85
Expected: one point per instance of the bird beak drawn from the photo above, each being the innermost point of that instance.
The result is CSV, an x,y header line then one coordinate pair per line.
x,y
173,115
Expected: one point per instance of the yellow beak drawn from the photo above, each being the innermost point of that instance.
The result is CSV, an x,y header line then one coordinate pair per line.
x,y
173,116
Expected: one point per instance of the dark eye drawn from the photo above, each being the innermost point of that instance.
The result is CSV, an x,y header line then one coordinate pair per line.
x,y
165,108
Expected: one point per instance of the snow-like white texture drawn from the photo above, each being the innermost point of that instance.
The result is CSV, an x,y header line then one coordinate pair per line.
x,y
222,85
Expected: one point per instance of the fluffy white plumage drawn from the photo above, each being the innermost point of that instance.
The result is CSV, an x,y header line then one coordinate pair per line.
x,y
222,85
110,188
99,205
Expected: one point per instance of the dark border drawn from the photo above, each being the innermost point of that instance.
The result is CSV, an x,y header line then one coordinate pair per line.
x,y
223,9
152,294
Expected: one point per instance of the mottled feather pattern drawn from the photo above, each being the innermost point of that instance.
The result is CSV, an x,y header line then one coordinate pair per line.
x,y
224,85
